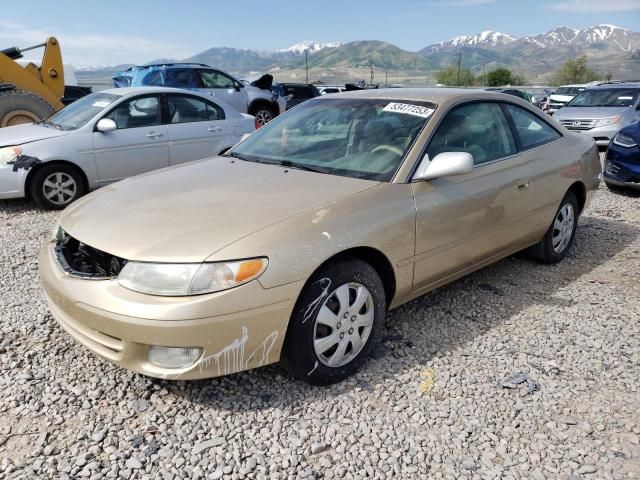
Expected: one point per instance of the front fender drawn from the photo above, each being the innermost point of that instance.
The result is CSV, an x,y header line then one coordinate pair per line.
x,y
382,218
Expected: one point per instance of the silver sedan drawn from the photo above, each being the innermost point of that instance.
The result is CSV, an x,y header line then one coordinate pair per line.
x,y
111,135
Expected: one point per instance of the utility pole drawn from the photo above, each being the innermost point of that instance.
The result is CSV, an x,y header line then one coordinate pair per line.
x,y
459,65
386,76
483,81
371,65
306,62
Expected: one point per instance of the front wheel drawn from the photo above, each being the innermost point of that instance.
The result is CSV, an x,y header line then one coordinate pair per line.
x,y
558,240
336,322
55,186
263,115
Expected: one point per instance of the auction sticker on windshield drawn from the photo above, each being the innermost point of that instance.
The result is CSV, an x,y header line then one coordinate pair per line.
x,y
416,110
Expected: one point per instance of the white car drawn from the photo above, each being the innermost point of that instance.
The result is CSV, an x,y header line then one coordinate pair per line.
x,y
111,135
563,95
326,89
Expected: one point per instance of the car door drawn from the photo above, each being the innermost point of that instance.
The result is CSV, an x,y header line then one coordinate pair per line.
x,y
463,221
197,128
140,143
225,88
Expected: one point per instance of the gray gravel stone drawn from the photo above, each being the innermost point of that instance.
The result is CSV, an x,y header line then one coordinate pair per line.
x,y
572,327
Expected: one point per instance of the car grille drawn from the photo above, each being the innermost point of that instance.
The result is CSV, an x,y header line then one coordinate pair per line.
x,y
81,260
578,124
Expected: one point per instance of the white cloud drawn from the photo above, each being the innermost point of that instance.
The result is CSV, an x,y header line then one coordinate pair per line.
x,y
92,49
596,5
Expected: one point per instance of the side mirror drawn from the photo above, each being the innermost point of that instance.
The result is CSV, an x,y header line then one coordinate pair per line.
x,y
444,164
106,125
237,86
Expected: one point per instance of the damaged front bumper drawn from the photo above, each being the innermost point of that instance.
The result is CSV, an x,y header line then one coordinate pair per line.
x,y
12,181
231,331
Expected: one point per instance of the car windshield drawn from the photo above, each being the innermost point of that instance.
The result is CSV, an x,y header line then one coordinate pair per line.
x,y
568,91
360,138
609,97
80,112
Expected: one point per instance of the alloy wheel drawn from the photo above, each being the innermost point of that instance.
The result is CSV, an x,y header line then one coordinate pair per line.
x,y
343,324
59,188
563,228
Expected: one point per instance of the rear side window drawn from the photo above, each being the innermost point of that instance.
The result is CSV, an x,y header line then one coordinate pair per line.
x,y
181,78
480,129
531,130
185,109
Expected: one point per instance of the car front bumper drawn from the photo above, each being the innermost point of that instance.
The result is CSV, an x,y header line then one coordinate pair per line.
x,y
121,326
601,135
12,183
621,174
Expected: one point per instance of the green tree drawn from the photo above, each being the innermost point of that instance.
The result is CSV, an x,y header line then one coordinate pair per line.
x,y
574,71
499,77
449,76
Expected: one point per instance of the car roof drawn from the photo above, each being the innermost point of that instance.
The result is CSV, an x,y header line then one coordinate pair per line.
x,y
170,64
436,95
617,85
142,90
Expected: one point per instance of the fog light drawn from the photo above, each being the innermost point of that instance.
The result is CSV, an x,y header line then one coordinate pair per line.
x,y
174,357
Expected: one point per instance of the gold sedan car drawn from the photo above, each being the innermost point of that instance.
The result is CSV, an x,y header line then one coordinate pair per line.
x,y
293,245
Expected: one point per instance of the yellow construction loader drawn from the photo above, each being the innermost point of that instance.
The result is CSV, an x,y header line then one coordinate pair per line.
x,y
30,93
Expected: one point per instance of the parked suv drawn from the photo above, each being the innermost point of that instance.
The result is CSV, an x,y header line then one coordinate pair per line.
x,y
602,110
259,102
295,93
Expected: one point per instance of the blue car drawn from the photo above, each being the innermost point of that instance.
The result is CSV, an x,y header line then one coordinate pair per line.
x,y
622,165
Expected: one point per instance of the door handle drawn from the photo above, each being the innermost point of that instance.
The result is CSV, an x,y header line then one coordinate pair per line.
x,y
523,184
214,129
153,135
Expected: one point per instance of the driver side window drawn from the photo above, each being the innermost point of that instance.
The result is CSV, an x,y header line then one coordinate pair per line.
x,y
480,129
214,79
137,112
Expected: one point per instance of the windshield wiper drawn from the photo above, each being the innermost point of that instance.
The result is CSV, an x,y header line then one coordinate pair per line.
x,y
299,166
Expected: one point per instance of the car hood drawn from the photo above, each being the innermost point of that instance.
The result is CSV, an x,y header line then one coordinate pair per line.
x,y
21,134
562,98
589,112
188,212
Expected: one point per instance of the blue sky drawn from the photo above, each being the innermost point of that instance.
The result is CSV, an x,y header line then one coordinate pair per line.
x,y
134,31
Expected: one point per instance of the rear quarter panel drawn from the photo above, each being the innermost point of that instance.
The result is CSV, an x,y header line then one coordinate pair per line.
x,y
555,168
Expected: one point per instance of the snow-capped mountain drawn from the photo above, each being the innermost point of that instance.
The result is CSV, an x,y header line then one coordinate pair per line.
x,y
299,48
489,38
611,36
616,37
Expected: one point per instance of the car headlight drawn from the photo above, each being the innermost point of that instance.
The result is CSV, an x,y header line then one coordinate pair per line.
x,y
624,140
9,154
180,279
603,122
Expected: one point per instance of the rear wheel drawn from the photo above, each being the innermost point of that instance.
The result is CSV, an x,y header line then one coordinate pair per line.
x,y
336,322
558,240
55,186
18,107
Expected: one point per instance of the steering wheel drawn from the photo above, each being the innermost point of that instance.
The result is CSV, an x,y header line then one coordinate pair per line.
x,y
389,148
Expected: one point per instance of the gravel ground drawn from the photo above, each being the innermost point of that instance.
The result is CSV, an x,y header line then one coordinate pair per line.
x,y
434,402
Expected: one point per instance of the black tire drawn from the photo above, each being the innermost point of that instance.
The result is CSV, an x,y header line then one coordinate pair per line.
x,y
37,188
614,188
263,113
544,251
18,106
299,356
